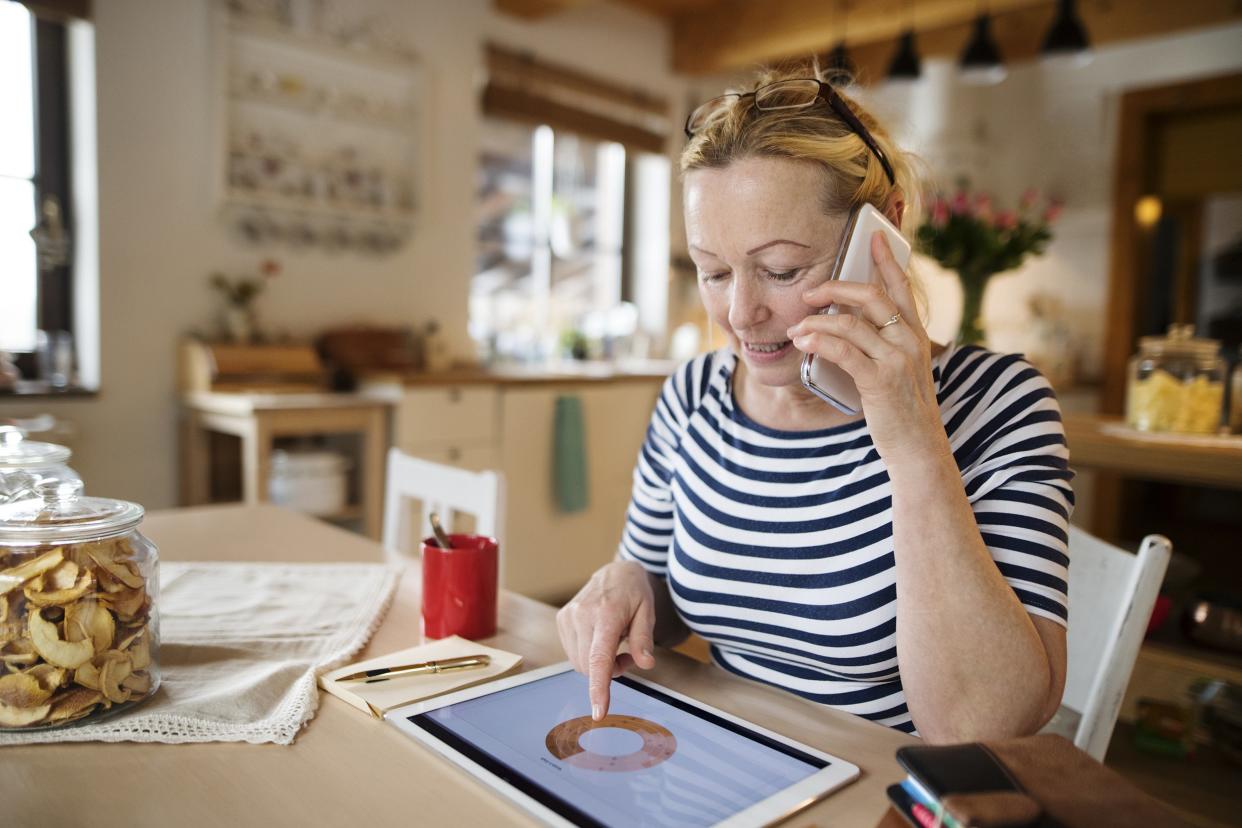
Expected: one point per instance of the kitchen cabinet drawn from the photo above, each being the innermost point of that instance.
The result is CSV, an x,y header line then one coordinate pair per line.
x,y
508,425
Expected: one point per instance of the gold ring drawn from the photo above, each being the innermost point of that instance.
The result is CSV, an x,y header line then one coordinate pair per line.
x,y
892,320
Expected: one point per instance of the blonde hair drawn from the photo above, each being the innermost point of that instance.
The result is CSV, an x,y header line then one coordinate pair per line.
x,y
816,134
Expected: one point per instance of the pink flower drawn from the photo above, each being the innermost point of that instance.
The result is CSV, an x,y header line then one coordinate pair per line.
x,y
960,204
1029,198
1006,220
983,201
1053,211
270,268
940,213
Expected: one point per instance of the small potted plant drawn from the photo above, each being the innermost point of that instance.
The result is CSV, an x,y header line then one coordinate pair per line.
x,y
238,322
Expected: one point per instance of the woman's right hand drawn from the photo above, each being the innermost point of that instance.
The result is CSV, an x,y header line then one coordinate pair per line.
x,y
616,605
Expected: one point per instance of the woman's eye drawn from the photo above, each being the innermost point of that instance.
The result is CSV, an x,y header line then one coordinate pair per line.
x,y
714,277
784,276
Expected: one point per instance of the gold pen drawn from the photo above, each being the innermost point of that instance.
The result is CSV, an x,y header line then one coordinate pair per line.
x,y
444,665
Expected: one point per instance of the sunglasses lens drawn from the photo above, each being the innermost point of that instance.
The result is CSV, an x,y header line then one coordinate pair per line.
x,y
792,94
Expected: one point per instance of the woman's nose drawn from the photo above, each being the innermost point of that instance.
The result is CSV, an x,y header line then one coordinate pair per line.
x,y
746,307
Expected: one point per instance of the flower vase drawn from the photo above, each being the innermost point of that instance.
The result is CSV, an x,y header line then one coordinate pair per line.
x,y
239,324
974,285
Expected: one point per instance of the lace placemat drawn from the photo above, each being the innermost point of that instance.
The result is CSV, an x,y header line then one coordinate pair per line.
x,y
241,646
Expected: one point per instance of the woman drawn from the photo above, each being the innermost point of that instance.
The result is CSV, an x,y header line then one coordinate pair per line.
x,y
907,564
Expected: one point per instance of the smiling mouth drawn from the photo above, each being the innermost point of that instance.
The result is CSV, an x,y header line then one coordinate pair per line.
x,y
767,347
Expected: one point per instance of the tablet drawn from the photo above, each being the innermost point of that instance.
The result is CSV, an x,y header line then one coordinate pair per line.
x,y
657,758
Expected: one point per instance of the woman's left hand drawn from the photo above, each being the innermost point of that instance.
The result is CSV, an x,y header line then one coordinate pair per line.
x,y
890,364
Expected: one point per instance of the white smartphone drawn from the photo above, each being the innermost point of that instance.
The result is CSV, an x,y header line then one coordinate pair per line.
x,y
854,264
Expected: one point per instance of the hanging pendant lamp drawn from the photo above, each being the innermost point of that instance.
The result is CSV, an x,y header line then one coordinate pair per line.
x,y
906,64
981,61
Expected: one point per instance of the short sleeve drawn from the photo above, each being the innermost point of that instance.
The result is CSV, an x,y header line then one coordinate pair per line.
x,y
648,530
1015,466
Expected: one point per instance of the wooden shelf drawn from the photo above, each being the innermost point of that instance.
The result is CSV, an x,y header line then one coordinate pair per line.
x,y
349,212
1102,443
321,46
310,109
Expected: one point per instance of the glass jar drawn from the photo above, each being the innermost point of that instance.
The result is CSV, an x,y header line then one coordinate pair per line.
x,y
79,631
1235,396
1176,383
23,463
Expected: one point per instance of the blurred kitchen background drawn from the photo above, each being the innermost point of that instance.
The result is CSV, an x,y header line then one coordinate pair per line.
x,y
247,245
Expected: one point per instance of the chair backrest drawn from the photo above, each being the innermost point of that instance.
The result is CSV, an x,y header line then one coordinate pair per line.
x,y
446,490
1111,595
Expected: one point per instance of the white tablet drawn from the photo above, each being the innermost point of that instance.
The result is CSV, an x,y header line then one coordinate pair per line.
x,y
657,758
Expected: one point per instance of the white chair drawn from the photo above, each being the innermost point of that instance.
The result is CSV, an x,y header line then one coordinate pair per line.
x,y
446,490
1111,595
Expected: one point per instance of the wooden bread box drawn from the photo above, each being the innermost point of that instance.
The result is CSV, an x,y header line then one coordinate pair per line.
x,y
232,367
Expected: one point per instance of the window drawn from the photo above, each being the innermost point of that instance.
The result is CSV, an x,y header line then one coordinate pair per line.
x,y
34,177
548,276
573,189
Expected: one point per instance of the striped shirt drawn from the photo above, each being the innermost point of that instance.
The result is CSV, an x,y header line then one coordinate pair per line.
x,y
778,545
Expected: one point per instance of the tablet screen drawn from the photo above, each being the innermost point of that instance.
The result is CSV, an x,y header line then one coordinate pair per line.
x,y
653,760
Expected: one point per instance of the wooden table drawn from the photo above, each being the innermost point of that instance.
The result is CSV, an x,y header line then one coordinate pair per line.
x,y
1097,442
259,419
347,769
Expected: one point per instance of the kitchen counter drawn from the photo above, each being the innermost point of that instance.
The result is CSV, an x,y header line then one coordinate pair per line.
x,y
557,373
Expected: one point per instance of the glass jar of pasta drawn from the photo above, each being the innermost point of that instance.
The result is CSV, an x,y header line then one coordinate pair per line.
x,y
1235,395
1176,383
24,463
79,630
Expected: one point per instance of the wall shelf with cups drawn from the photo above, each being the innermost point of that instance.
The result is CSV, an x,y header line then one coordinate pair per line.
x,y
319,126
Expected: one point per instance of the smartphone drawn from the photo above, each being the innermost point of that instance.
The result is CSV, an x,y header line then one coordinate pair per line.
x,y
853,264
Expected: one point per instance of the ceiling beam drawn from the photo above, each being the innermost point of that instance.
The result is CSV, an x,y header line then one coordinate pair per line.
x,y
739,33
535,9
743,34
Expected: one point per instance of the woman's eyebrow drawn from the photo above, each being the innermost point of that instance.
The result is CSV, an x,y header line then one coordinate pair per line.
x,y
774,242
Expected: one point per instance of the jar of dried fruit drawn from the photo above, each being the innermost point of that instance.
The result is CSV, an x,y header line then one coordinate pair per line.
x,y
79,630
1176,383
25,462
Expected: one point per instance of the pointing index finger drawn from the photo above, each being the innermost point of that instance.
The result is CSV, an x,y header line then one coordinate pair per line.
x,y
600,663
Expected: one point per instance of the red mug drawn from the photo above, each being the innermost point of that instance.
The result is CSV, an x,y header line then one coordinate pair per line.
x,y
459,587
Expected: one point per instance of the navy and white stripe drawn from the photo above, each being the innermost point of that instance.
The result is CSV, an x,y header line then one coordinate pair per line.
x,y
778,545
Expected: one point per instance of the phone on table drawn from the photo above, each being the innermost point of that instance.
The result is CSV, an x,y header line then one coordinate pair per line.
x,y
829,382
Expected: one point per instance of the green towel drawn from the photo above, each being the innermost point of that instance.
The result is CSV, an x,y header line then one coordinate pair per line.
x,y
569,462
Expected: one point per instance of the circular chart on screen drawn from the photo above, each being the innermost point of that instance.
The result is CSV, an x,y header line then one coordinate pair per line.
x,y
610,743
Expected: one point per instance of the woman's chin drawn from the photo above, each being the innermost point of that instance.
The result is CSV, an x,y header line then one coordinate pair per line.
x,y
781,366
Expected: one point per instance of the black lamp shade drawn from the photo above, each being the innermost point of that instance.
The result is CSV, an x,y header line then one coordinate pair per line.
x,y
981,52
905,64
838,67
1067,34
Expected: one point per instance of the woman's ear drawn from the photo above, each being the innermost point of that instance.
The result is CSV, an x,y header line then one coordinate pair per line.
x,y
895,210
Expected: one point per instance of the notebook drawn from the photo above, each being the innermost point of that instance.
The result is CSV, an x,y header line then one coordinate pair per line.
x,y
380,697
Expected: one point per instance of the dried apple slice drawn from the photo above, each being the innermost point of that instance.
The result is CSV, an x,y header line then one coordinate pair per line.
x,y
127,602
73,704
59,597
49,677
138,683
11,579
123,571
22,690
113,672
88,619
140,653
47,643
22,716
4,608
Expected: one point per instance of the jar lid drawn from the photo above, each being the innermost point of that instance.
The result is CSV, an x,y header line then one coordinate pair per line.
x,y
1181,341
58,512
16,452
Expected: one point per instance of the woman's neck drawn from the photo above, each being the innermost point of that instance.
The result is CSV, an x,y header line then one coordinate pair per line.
x,y
784,407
